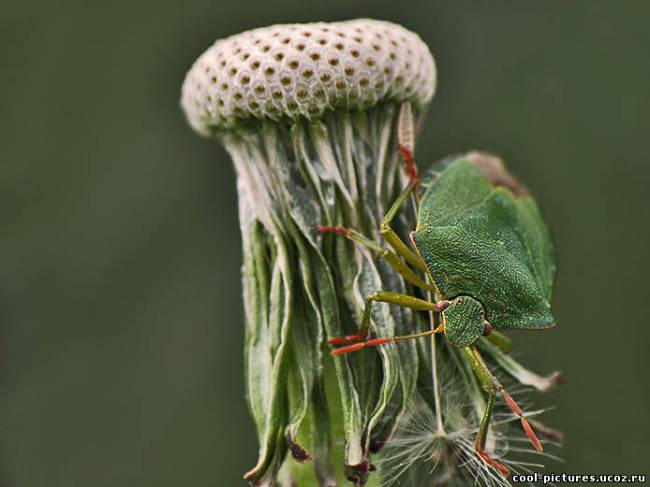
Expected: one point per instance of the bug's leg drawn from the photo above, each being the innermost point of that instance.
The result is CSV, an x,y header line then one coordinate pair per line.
x,y
391,236
491,384
399,247
360,341
500,340
392,258
515,369
487,381
381,341
409,162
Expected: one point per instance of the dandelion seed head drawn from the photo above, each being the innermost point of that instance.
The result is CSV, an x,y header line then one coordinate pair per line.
x,y
302,70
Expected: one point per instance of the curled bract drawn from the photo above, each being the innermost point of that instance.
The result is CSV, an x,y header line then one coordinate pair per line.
x,y
302,70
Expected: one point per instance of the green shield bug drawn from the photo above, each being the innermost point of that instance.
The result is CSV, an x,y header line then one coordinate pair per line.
x,y
481,249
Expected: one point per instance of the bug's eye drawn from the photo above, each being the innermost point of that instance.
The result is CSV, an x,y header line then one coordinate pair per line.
x,y
487,328
443,305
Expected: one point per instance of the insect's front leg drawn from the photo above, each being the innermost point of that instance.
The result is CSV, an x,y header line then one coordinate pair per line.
x,y
360,340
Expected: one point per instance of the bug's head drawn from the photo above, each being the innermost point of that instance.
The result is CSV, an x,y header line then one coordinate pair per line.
x,y
464,321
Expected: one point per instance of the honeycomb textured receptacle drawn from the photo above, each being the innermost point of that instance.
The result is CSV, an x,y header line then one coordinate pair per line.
x,y
288,71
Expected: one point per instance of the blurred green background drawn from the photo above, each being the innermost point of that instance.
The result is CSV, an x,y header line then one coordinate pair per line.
x,y
120,307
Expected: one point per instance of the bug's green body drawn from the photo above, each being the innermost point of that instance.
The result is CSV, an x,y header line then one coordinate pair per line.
x,y
481,235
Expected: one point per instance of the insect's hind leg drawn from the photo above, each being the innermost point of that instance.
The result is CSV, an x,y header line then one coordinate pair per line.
x,y
401,249
487,381
406,142
491,385
391,236
391,257
360,340
501,341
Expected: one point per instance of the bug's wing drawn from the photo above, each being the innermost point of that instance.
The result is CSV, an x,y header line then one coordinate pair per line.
x,y
481,240
534,235
452,187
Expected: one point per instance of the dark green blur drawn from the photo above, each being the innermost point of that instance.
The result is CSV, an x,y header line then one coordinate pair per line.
x,y
120,307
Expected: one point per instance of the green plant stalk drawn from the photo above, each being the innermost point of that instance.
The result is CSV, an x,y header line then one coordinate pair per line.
x,y
300,289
